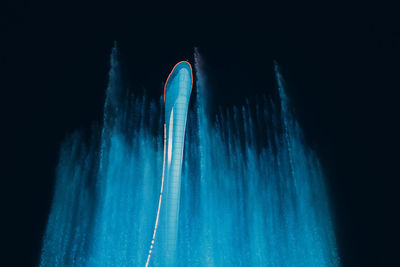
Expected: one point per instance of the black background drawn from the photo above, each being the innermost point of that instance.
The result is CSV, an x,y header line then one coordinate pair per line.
x,y
341,63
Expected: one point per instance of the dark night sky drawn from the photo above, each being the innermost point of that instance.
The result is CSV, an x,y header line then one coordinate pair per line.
x,y
341,63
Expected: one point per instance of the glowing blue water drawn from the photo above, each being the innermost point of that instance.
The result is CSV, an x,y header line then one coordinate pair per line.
x,y
252,191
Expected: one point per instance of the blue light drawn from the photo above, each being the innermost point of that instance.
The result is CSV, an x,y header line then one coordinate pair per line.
x,y
243,202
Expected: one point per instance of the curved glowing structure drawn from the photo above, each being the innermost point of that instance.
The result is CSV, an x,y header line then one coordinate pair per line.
x,y
177,92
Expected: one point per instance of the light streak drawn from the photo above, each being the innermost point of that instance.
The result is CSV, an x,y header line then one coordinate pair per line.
x,y
159,203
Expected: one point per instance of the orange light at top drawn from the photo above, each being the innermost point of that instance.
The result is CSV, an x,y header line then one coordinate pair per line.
x,y
191,74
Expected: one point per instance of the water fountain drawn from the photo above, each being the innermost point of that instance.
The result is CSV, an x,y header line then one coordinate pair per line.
x,y
252,192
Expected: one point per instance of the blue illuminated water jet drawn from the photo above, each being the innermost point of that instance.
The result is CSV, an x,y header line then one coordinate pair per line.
x,y
252,193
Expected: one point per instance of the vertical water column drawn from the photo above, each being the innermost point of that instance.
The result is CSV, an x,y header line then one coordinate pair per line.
x,y
176,96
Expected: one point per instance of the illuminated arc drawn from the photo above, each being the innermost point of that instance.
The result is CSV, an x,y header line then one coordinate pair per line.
x,y
191,73
167,156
